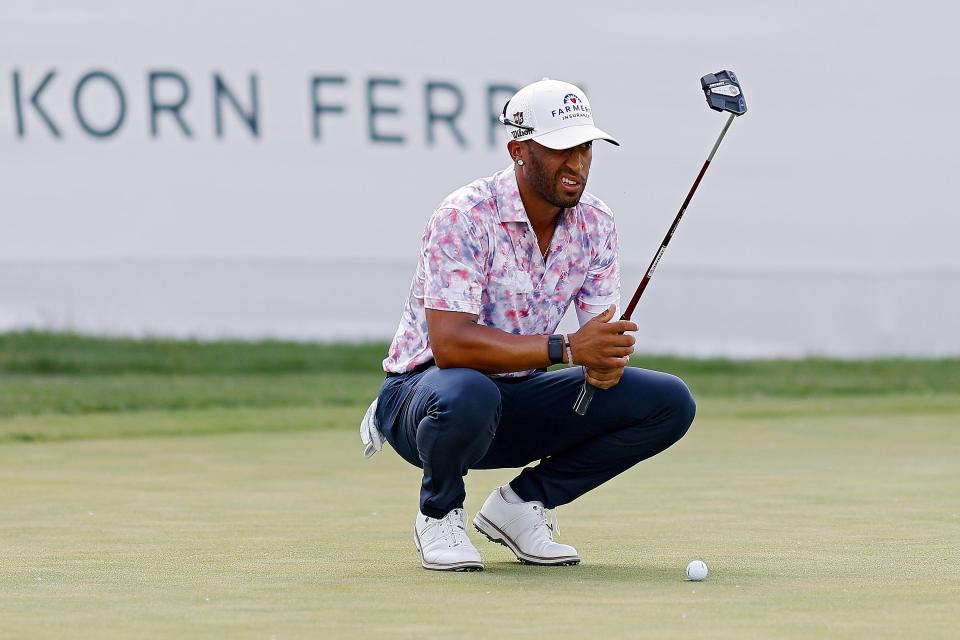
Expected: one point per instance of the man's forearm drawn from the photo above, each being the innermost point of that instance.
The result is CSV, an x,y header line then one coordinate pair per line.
x,y
490,350
458,341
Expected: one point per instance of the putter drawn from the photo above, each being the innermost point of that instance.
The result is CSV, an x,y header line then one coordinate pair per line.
x,y
723,93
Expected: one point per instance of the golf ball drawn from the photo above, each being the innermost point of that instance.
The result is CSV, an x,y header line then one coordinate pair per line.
x,y
697,570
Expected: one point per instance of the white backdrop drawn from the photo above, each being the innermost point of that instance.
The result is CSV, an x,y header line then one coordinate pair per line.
x,y
824,226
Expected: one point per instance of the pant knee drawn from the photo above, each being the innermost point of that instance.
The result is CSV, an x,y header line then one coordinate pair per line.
x,y
681,405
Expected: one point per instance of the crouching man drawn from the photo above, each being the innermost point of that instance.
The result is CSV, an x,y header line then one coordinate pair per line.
x,y
466,386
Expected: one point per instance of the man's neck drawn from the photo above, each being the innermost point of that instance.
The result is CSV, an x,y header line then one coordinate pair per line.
x,y
542,214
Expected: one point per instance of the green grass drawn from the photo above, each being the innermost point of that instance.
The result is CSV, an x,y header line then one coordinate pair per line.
x,y
842,527
32,352
176,489
69,374
32,394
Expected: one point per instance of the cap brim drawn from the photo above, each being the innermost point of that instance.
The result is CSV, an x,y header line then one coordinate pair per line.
x,y
572,136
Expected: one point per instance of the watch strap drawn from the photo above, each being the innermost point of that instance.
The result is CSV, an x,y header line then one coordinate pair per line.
x,y
555,348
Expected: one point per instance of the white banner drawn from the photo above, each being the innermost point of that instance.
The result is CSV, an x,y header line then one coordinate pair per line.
x,y
291,131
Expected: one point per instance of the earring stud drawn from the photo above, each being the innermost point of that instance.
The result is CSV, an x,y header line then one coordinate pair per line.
x,y
520,162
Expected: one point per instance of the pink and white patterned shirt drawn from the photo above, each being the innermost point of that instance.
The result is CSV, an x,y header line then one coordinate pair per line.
x,y
479,255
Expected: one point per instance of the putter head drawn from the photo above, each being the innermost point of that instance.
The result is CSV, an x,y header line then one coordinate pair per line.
x,y
723,92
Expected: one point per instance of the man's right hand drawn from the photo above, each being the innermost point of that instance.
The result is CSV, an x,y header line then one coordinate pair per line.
x,y
602,347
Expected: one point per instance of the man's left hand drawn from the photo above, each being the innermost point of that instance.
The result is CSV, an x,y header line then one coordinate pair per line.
x,y
604,378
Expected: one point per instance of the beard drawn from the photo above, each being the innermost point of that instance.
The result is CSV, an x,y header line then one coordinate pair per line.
x,y
548,186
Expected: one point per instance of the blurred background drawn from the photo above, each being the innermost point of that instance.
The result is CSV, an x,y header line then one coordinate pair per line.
x,y
265,170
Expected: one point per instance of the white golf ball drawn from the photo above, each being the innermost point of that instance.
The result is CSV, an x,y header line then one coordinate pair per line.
x,y
697,570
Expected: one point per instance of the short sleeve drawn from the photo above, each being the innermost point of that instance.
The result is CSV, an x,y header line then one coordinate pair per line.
x,y
453,255
601,288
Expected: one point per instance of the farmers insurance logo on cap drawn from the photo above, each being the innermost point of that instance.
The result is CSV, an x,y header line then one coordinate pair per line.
x,y
556,114
573,107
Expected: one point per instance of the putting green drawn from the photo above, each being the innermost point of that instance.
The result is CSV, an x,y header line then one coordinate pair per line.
x,y
835,522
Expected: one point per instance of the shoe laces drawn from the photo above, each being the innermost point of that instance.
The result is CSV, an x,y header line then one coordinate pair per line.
x,y
453,525
549,520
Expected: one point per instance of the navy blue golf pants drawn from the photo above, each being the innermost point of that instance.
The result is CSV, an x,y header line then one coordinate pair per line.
x,y
448,421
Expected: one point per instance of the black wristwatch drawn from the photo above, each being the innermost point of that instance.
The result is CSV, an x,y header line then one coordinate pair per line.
x,y
555,348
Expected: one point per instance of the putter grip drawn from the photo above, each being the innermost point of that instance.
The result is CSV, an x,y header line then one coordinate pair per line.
x,y
583,400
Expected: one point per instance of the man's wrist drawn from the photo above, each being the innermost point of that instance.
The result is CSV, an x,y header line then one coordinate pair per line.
x,y
569,349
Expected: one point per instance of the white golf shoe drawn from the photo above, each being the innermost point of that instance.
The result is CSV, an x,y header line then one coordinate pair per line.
x,y
525,529
444,545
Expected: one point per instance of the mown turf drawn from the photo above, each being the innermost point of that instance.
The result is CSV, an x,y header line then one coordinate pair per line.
x,y
842,527
49,427
32,394
66,353
177,489
63,373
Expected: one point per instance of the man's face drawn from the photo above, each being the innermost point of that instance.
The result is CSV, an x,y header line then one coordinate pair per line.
x,y
559,176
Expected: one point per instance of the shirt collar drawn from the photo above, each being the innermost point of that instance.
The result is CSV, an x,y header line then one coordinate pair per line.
x,y
509,204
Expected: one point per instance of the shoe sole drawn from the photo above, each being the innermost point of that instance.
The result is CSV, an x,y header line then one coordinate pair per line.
x,y
494,534
433,566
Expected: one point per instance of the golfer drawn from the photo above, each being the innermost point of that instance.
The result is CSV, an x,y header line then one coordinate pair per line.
x,y
466,383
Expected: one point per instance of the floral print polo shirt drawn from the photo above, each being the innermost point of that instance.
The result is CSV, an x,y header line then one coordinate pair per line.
x,y
479,255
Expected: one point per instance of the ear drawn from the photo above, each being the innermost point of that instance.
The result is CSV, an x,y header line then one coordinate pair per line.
x,y
515,149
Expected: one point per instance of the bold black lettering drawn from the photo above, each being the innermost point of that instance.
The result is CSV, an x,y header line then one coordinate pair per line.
x,y
121,104
173,107
494,110
450,117
35,101
318,108
220,91
374,110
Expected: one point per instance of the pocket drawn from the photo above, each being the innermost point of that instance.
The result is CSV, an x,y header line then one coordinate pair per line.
x,y
395,396
516,283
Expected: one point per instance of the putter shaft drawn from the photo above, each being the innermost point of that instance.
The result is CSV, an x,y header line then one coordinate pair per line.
x,y
582,402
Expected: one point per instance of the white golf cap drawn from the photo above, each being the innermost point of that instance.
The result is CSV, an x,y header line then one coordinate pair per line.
x,y
556,114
